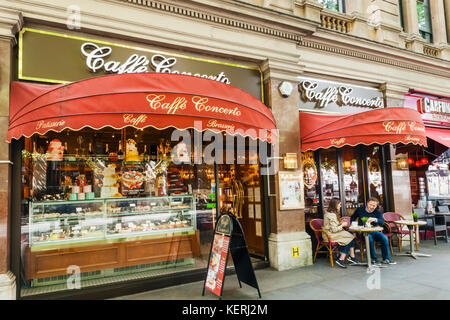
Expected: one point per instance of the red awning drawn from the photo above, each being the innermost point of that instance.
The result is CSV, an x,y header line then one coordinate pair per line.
x,y
388,125
138,100
440,135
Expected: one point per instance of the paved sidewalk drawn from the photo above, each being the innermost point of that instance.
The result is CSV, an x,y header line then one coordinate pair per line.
x,y
424,278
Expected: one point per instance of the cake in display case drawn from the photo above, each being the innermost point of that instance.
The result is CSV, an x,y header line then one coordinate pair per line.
x,y
58,222
148,216
53,222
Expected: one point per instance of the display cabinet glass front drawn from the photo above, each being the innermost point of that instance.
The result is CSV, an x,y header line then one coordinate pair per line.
x,y
148,216
55,222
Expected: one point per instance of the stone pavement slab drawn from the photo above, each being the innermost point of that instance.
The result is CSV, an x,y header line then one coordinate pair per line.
x,y
425,278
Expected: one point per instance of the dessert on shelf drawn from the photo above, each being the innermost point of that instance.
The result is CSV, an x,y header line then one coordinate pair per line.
x,y
55,151
110,186
132,151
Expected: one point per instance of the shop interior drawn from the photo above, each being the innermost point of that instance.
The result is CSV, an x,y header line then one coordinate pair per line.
x,y
429,175
94,191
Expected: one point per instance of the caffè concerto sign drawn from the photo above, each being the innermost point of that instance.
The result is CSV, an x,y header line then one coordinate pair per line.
x,y
332,97
54,57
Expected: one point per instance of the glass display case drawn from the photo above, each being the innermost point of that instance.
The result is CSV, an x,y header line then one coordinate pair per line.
x,y
58,222
55,222
148,216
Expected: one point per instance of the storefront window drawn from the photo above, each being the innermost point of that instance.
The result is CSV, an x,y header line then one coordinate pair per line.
x,y
330,178
311,185
352,183
121,204
375,174
438,177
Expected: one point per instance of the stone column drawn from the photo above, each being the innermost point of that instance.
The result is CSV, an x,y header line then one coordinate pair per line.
x,y
287,226
414,40
356,7
438,22
410,17
308,9
401,186
10,24
447,17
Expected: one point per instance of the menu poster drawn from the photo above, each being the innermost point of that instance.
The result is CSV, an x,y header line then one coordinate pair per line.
x,y
290,186
132,180
229,238
217,264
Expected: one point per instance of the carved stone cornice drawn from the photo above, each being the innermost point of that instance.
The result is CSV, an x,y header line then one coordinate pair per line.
x,y
220,19
378,58
11,22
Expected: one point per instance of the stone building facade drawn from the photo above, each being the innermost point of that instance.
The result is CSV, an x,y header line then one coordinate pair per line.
x,y
374,43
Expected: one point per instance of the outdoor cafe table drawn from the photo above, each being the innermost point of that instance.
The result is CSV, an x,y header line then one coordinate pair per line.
x,y
365,231
411,224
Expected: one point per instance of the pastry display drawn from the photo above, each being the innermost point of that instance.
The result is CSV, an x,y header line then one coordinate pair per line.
x,y
78,202
55,151
110,186
132,179
176,185
132,153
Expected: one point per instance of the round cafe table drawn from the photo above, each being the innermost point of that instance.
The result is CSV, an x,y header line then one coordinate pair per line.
x,y
411,224
365,231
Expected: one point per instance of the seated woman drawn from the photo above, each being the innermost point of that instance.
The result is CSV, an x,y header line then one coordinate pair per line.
x,y
337,233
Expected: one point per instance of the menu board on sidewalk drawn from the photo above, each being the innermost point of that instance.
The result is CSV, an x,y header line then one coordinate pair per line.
x,y
228,238
217,264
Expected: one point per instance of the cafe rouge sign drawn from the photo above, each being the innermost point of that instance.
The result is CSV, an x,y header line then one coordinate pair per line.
x,y
328,96
58,58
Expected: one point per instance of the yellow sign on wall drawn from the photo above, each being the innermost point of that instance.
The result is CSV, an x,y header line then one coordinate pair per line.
x,y
295,252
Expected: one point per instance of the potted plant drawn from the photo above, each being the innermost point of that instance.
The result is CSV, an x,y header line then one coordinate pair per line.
x,y
415,217
364,220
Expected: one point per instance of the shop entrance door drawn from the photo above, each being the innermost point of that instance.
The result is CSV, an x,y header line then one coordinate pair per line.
x,y
240,193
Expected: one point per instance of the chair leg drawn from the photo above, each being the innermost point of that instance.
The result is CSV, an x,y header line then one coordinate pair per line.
x,y
399,243
390,246
315,254
330,250
435,237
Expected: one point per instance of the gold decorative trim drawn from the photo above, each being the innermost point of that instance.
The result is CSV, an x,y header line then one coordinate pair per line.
x,y
140,128
359,143
121,45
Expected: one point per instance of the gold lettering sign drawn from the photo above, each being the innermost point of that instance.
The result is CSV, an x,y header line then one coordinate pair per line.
x,y
337,142
49,124
157,102
401,127
216,124
135,121
201,104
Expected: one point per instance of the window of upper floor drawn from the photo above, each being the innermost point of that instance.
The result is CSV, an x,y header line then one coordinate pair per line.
x,y
424,19
336,5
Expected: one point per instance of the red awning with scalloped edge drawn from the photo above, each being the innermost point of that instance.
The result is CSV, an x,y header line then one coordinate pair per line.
x,y
138,100
380,126
440,135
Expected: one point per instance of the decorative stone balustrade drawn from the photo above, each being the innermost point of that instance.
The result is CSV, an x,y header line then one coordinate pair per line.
x,y
431,51
335,22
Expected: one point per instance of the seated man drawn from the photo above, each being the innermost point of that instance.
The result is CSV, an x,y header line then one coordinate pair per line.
x,y
375,217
